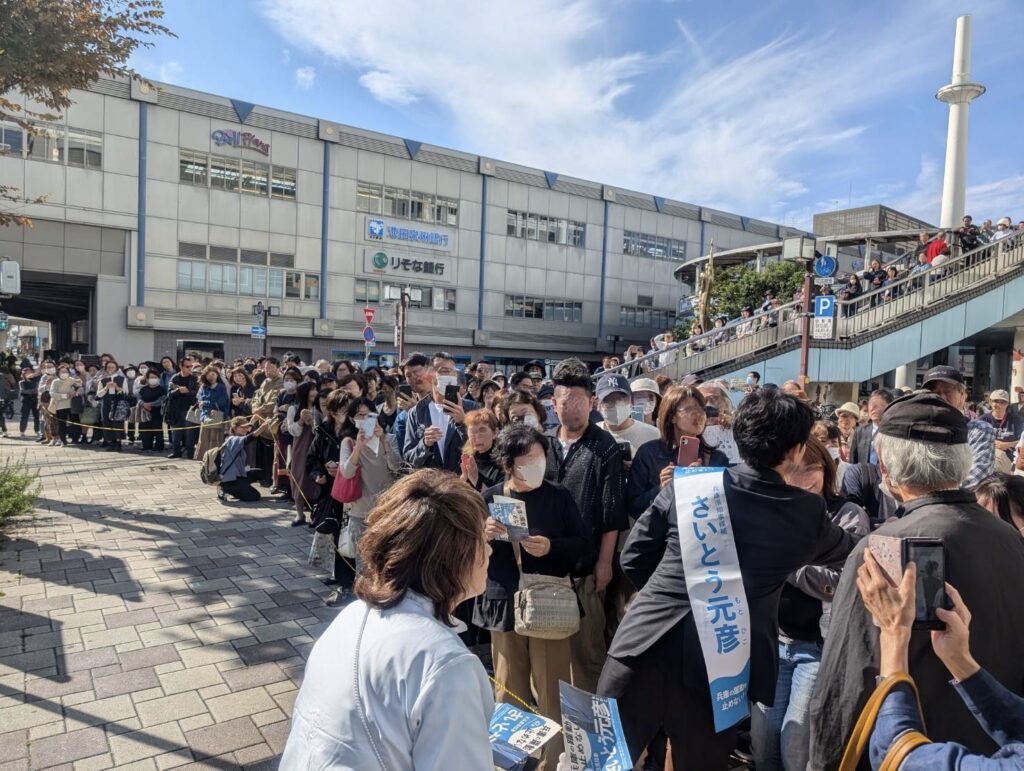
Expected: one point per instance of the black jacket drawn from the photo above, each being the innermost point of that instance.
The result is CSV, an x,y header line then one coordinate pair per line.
x,y
178,404
777,529
325,447
418,455
985,563
645,473
860,443
862,485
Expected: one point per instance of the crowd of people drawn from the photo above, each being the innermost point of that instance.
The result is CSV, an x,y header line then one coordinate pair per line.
x,y
414,470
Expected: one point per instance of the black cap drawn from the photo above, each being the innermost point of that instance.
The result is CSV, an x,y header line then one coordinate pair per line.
x,y
545,391
926,417
944,373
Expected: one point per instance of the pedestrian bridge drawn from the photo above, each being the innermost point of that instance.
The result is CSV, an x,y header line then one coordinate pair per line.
x,y
875,332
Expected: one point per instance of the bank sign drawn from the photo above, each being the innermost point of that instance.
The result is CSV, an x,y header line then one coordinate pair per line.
x,y
378,229
407,266
241,139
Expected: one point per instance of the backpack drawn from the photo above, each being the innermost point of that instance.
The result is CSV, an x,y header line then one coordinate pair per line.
x,y
209,470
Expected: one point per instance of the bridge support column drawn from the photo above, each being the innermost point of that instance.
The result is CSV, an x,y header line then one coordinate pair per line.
x,y
1017,363
904,379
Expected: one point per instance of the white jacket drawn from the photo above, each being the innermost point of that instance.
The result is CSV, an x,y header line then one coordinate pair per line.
x,y
426,697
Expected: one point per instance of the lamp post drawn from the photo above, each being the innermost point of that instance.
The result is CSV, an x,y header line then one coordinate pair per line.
x,y
401,303
264,312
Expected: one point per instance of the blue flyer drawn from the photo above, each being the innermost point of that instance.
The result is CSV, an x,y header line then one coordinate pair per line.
x,y
594,740
516,734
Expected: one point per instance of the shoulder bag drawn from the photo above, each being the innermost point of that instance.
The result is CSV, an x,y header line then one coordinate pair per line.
x,y
359,698
861,735
545,607
192,416
347,490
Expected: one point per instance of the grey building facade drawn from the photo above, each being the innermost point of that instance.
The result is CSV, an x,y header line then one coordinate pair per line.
x,y
169,213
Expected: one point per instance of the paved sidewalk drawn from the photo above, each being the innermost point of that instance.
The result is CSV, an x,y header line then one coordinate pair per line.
x,y
145,625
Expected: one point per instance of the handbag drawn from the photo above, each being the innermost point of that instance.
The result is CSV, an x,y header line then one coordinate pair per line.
x,y
347,490
346,544
119,411
90,415
861,735
214,416
192,416
77,405
321,551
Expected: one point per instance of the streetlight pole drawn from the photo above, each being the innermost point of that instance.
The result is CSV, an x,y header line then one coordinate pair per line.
x,y
403,302
805,336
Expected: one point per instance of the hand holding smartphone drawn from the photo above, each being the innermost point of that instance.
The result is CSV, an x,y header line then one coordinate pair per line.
x,y
689,451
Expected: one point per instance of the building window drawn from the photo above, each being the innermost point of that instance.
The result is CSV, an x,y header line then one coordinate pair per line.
x,y
646,317
525,307
192,167
421,206
85,148
282,182
312,289
259,282
224,172
655,247
191,276
396,202
405,204
293,285
367,291
46,142
551,230
223,278
11,138
446,212
368,197
422,297
276,283
244,280
255,177
645,300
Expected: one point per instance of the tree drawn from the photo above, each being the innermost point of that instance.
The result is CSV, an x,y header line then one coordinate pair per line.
x,y
48,47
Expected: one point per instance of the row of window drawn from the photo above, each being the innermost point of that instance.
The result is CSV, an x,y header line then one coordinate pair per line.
x,y
659,318
407,204
234,174
218,278
232,254
436,298
656,247
54,143
549,229
523,307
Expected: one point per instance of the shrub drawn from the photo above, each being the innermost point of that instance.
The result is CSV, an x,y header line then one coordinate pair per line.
x,y
19,487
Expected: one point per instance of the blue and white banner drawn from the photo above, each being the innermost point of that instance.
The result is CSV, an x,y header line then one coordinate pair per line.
x,y
715,586
594,740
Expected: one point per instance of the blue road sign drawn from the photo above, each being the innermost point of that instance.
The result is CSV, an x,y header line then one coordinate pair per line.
x,y
825,306
257,332
368,335
825,266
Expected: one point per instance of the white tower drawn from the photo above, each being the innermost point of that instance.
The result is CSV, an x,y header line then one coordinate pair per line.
x,y
958,95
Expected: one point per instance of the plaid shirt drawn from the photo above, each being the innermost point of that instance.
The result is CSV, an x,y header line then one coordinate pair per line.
x,y
982,440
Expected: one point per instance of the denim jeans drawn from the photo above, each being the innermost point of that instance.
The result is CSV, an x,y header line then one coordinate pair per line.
x,y
781,734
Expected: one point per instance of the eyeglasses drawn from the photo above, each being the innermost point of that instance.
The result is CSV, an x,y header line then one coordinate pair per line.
x,y
690,411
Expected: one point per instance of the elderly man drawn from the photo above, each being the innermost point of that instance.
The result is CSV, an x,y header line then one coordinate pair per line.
x,y
923,456
947,382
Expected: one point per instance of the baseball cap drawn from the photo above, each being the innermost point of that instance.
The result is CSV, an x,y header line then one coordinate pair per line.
x,y
926,417
645,384
546,391
612,384
690,380
999,396
850,408
945,373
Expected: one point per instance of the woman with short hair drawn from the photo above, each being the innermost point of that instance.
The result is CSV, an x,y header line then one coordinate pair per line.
x,y
478,466
1003,495
399,687
214,406
520,407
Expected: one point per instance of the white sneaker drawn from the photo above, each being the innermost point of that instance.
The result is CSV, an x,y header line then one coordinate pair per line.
x,y
54,443
58,443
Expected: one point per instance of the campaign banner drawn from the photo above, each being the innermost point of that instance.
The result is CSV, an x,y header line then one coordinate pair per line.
x,y
517,734
715,586
510,512
594,740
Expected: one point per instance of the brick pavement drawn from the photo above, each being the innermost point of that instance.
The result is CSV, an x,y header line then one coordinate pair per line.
x,y
146,625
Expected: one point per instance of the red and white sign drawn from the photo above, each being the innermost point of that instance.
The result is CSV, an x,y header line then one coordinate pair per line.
x,y
368,315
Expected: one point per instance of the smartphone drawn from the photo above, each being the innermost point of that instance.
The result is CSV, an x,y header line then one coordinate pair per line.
x,y
689,451
370,425
625,451
451,394
404,389
929,554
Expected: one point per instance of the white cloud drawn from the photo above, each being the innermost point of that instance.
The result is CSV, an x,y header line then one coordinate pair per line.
x,y
534,82
170,72
286,56
305,77
985,200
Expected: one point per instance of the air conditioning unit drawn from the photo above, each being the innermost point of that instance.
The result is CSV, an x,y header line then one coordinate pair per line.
x,y
10,277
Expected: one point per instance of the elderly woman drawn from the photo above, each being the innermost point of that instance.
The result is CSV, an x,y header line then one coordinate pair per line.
x,y
389,685
923,455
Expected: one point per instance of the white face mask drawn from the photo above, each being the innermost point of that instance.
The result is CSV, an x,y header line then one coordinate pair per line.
x,y
290,385
531,420
834,452
443,381
547,404
647,405
50,370
531,474
617,414
713,435
64,375
154,381
130,373
360,422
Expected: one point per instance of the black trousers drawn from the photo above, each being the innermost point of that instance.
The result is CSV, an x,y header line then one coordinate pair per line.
x,y
242,488
151,431
663,687
264,459
29,406
63,416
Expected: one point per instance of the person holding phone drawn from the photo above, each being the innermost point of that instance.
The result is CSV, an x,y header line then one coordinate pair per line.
x,y
923,457
615,403
436,431
998,711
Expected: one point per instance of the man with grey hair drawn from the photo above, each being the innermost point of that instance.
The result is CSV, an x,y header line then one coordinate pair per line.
x,y
924,456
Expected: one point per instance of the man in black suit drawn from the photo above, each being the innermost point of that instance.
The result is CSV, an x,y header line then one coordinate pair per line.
x,y
861,448
655,666
436,432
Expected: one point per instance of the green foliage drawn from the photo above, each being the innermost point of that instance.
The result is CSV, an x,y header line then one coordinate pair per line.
x,y
740,285
19,487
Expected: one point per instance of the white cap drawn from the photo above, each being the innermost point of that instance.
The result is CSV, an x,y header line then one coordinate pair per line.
x,y
645,384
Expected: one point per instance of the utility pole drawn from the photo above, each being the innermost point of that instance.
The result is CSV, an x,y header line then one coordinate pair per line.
x,y
263,313
400,312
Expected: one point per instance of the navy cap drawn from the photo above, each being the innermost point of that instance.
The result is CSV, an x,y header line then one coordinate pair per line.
x,y
612,384
926,417
545,391
943,373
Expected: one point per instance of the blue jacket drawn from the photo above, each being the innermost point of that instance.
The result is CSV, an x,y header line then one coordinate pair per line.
x,y
999,711
213,397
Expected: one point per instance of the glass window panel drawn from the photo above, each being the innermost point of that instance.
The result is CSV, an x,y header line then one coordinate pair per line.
x,y
446,212
360,290
510,223
312,286
11,139
85,148
439,301
230,279
276,283
46,142
216,277
224,172
184,275
245,280
282,182
643,299
562,236
531,225
449,297
368,198
521,224
259,282
421,206
198,276
577,312
396,202
374,292
254,177
510,305
192,167
293,285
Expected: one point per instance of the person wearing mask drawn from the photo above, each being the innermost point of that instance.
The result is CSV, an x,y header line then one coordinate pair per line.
x,y
416,370
997,711
862,448
290,381
780,732
131,379
587,462
655,665
478,467
1007,426
386,402
948,384
718,430
322,463
79,388
924,456
1003,495
436,431
299,422
646,399
402,690
753,381
264,404
519,407
535,369
546,397
558,545
847,419
615,403
241,391
61,389
214,405
28,390
235,478
112,391
827,432
49,421
181,397
151,398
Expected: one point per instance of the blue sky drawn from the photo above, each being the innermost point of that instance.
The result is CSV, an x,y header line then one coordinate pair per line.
x,y
774,109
